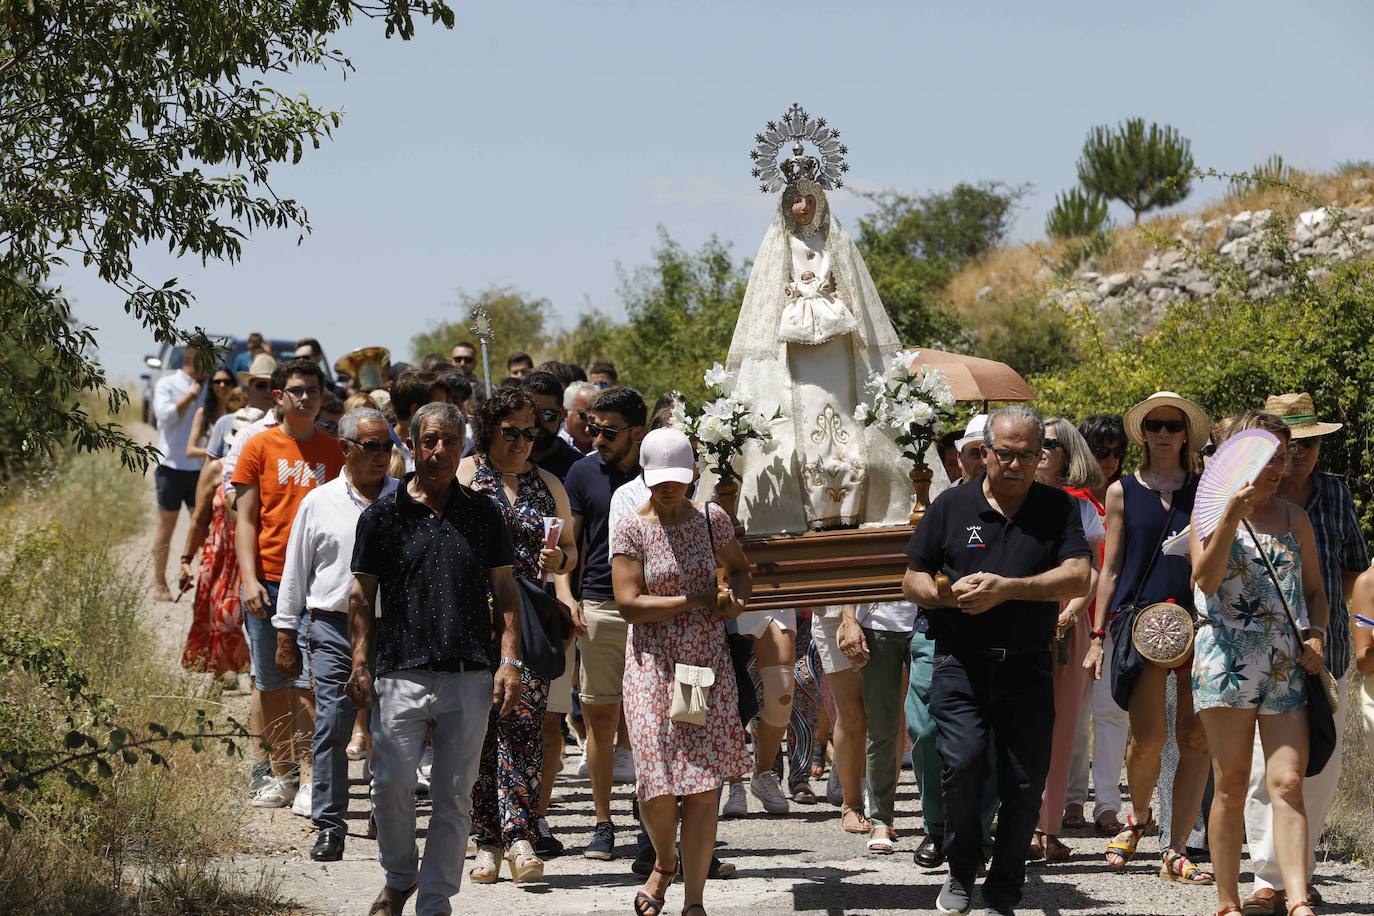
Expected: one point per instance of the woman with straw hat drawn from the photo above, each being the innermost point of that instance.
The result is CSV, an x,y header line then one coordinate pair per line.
x,y
1142,510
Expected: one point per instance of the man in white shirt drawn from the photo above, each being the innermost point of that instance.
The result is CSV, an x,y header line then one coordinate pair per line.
x,y
315,586
175,400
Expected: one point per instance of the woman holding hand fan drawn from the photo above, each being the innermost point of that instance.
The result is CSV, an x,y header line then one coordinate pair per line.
x,y
1244,669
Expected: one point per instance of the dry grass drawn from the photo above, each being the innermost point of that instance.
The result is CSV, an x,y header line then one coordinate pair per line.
x,y
146,845
1349,832
1017,271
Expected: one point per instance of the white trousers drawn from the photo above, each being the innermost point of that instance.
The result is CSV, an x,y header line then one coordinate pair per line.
x,y
1109,724
409,703
1318,792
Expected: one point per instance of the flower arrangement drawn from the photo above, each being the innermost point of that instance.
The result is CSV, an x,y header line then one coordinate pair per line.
x,y
724,424
916,404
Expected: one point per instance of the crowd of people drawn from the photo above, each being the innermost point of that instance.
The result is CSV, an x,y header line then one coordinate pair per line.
x,y
454,584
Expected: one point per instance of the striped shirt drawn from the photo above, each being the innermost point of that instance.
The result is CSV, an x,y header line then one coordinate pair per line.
x,y
1342,549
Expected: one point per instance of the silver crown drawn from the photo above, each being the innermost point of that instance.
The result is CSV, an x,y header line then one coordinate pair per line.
x,y
798,128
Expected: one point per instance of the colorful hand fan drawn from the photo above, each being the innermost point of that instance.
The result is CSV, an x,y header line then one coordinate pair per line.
x,y
1238,462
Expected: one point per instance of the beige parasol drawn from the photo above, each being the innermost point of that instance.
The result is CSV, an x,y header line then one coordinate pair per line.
x,y
974,379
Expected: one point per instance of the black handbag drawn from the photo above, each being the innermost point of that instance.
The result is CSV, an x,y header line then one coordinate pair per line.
x,y
542,631
1127,662
1320,687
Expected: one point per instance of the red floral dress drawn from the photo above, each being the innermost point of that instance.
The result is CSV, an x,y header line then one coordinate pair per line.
x,y
677,758
216,642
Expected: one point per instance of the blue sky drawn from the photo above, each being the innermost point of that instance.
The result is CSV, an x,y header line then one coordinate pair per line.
x,y
540,145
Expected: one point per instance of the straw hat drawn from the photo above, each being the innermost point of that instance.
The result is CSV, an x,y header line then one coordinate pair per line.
x,y
262,366
1199,426
1300,414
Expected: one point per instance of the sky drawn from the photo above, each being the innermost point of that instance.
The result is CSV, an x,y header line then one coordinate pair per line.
x,y
540,145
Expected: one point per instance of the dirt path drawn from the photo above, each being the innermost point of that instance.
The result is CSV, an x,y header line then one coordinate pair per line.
x,y
801,863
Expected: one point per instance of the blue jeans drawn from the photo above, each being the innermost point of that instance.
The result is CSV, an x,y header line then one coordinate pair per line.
x,y
1008,705
262,647
331,662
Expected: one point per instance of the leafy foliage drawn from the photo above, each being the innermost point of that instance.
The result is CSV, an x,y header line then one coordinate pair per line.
x,y
518,324
1076,214
913,245
681,311
1144,168
133,123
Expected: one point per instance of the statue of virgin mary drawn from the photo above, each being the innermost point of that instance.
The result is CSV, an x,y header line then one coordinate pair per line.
x,y
811,331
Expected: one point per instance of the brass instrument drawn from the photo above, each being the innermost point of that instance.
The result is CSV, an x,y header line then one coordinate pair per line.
x,y
367,367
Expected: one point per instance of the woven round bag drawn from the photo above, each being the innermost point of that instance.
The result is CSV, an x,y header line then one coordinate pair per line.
x,y
1163,633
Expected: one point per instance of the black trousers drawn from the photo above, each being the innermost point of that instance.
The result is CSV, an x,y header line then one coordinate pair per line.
x,y
1009,703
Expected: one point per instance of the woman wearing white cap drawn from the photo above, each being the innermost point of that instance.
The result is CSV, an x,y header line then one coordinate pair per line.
x,y
664,570
1142,509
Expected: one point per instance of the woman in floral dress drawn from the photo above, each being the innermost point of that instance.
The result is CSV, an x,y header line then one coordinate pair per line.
x,y
1248,667
505,797
664,569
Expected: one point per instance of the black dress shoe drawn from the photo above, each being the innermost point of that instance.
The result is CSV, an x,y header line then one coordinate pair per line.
x,y
329,846
931,852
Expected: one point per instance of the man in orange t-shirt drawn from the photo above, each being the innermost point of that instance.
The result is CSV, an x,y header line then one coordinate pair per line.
x,y
277,469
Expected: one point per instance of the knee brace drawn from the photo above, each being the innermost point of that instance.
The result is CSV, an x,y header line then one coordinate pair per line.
x,y
777,683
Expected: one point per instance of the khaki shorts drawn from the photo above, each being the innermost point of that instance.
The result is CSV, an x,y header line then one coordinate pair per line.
x,y
560,691
603,652
825,633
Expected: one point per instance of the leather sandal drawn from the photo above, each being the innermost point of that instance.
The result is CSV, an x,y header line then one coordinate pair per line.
x,y
1301,905
1178,867
861,824
1124,849
648,905
1229,908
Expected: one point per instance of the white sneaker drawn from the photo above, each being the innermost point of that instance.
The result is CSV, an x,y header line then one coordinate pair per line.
x,y
765,788
301,804
582,765
277,792
736,801
624,768
422,780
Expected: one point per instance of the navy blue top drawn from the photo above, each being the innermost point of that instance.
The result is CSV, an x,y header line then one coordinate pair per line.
x,y
1144,515
590,484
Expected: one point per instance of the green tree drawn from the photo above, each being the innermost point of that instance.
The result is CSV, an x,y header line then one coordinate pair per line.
x,y
595,337
128,123
913,245
1076,214
681,310
518,324
1144,168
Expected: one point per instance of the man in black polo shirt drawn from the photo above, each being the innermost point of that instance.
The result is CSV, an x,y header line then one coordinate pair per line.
x,y
551,453
439,552
1012,550
617,418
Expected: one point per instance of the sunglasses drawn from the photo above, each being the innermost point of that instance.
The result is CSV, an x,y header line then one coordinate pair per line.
x,y
1102,452
260,385
511,433
464,359
547,414
1154,426
328,426
1051,445
606,432
225,382
1304,444
372,446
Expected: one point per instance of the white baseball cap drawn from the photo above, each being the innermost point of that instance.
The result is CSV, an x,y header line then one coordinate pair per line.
x,y
973,432
666,456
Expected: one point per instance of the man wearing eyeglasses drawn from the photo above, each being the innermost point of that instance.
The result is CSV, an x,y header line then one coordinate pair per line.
x,y
312,610
1007,550
550,452
275,471
616,419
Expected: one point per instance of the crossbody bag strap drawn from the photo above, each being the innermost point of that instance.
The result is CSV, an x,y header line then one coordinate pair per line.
x,y
1163,533
1278,586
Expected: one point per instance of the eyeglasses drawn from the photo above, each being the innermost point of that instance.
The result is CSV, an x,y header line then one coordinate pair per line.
x,y
511,433
1154,426
1050,445
1102,452
606,432
329,426
548,414
1007,456
301,394
225,382
371,446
